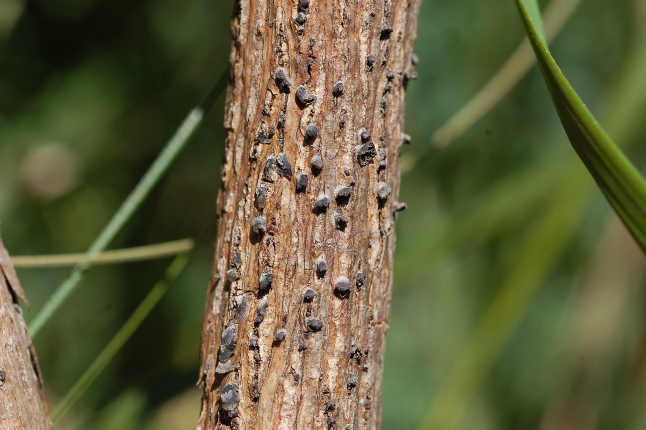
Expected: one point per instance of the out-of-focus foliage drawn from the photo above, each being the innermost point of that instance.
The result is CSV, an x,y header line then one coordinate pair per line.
x,y
91,89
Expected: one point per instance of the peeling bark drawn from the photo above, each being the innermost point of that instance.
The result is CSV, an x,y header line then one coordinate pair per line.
x,y
298,303
22,397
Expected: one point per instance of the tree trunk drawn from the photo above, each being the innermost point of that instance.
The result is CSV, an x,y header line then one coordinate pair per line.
x,y
22,398
298,303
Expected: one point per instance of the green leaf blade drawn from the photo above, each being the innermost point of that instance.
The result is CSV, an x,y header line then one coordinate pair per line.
x,y
621,183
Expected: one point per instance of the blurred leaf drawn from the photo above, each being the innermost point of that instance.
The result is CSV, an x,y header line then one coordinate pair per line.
x,y
621,183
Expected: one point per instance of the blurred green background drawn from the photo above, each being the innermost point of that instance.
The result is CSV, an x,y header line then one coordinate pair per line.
x,y
91,89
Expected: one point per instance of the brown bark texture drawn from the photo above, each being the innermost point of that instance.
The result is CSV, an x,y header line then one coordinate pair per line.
x,y
298,303
22,397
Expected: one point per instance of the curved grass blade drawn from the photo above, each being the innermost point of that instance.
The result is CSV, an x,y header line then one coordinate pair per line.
x,y
618,179
122,336
132,203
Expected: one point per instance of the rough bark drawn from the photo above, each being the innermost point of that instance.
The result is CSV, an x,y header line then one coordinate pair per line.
x,y
298,303
22,397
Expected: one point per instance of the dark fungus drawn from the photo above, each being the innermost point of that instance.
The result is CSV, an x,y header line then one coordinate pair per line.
x,y
399,206
228,343
321,267
309,294
303,97
364,134
314,324
284,166
282,80
261,197
338,89
390,75
330,406
370,62
266,278
311,131
340,221
386,31
342,286
383,163
259,316
3,377
280,335
366,153
342,194
259,225
360,279
352,381
270,169
303,5
383,191
232,275
262,138
230,399
301,18
322,202
317,163
302,180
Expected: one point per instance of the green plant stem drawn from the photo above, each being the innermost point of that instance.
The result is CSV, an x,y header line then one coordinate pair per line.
x,y
131,204
122,336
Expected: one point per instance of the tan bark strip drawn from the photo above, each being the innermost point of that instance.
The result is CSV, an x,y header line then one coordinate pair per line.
x,y
22,397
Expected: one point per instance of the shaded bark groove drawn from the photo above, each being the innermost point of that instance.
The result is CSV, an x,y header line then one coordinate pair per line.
x,y
298,303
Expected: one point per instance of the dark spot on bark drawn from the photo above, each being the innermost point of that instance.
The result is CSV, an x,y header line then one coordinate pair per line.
x,y
228,343
321,203
3,377
270,169
390,75
230,398
232,275
360,279
342,287
340,221
386,31
263,139
284,166
366,153
364,134
303,4
309,295
261,197
282,80
314,324
266,278
259,225
253,343
301,18
383,191
353,382
311,131
338,89
280,335
303,97
281,121
370,62
321,267
317,164
342,194
302,180
260,312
